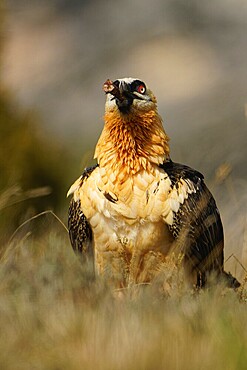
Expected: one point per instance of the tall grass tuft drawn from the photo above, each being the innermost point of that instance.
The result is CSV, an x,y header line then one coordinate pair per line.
x,y
54,315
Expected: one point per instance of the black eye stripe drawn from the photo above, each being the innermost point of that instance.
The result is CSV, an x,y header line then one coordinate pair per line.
x,y
134,85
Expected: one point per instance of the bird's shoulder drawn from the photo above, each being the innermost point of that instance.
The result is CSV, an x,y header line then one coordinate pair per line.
x,y
81,180
178,171
195,206
186,186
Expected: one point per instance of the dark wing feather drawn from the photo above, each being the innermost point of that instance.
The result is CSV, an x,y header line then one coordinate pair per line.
x,y
80,231
197,225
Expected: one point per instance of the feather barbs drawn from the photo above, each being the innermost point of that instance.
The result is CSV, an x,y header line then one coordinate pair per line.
x,y
129,145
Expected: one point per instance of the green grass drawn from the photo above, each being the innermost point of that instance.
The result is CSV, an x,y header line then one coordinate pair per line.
x,y
54,316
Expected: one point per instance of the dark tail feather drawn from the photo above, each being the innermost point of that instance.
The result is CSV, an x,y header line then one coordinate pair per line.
x,y
230,280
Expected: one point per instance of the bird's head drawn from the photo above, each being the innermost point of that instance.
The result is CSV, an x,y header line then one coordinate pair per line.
x,y
128,95
133,137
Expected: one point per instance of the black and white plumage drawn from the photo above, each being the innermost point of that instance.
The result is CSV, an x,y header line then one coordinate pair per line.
x,y
198,223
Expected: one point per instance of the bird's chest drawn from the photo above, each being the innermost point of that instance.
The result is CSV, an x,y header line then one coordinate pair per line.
x,y
131,238
128,215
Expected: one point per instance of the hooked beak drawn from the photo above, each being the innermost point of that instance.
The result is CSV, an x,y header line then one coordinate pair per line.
x,y
122,94
126,98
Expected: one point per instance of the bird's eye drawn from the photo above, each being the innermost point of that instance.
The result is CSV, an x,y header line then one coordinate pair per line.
x,y
141,89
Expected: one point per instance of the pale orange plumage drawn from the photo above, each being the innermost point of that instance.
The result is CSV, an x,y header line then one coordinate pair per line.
x,y
136,203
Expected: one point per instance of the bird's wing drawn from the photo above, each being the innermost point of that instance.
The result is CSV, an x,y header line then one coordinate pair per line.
x,y
196,223
80,231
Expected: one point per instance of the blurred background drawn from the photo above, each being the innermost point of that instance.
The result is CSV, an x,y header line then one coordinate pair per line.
x,y
54,58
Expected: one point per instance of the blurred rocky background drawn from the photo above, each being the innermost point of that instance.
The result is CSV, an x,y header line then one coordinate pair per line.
x,y
55,56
